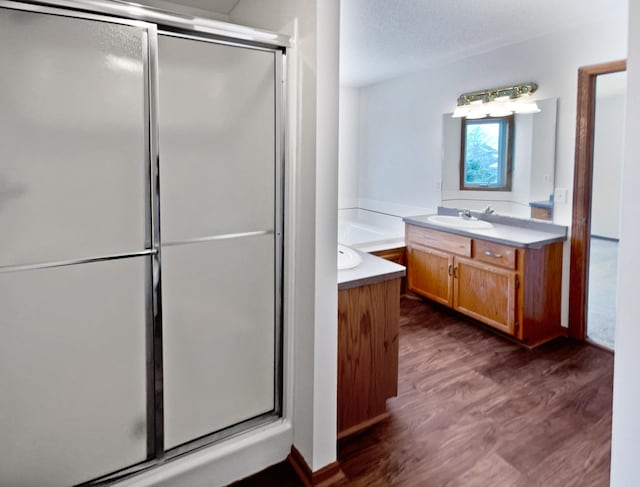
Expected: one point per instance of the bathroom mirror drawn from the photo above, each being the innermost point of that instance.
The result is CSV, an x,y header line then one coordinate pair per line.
x,y
532,178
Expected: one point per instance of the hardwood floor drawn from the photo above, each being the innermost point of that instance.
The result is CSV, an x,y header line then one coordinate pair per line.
x,y
475,409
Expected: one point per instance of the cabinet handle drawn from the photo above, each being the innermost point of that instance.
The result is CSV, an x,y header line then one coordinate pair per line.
x,y
488,253
455,272
450,266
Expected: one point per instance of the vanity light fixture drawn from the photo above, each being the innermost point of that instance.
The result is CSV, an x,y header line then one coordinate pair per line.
x,y
497,102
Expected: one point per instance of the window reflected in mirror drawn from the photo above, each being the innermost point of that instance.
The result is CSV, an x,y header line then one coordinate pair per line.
x,y
486,154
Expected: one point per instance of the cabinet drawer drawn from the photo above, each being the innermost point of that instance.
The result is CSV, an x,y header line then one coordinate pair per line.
x,y
493,253
447,242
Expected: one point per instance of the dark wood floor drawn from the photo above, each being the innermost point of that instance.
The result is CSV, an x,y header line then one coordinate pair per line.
x,y
474,409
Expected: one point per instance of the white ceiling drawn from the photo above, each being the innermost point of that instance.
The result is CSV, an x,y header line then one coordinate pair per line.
x,y
219,6
381,39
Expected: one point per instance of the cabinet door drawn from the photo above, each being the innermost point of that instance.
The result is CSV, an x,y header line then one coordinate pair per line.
x,y
429,273
486,293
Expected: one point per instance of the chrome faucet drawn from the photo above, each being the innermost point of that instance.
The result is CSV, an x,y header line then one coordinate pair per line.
x,y
465,214
488,210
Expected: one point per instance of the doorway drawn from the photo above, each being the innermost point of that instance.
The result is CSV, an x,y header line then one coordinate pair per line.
x,y
594,229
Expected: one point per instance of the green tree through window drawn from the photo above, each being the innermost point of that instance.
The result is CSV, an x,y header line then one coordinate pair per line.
x,y
486,155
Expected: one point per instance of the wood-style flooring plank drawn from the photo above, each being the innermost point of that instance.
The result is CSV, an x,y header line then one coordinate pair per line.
x,y
475,409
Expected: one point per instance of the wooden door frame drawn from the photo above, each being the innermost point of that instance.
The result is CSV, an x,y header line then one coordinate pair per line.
x,y
582,192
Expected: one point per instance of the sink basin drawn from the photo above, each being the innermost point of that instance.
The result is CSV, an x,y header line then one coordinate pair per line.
x,y
458,222
348,258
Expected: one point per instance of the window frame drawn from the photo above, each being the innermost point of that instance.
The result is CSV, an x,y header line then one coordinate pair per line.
x,y
505,162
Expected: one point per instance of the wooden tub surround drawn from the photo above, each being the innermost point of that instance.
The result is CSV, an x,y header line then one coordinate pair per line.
x,y
516,290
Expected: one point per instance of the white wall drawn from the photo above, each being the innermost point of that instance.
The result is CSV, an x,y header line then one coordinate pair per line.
x,y
625,455
607,164
348,148
325,403
312,206
400,144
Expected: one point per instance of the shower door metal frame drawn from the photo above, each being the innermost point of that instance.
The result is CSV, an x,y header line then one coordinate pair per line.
x,y
152,22
174,19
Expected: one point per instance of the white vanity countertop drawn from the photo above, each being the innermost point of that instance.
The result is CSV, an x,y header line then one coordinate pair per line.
x,y
514,235
371,271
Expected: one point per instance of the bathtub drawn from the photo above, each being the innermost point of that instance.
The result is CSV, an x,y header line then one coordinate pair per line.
x,y
369,231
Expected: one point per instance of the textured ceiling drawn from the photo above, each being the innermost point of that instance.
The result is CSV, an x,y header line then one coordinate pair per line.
x,y
381,39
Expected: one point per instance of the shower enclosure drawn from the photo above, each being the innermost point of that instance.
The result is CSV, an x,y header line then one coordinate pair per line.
x,y
140,240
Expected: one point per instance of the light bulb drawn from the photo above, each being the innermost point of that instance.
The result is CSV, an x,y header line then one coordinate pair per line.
x,y
501,109
527,107
476,114
460,111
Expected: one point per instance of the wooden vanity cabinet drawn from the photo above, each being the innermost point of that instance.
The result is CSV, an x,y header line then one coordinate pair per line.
x,y
399,256
514,290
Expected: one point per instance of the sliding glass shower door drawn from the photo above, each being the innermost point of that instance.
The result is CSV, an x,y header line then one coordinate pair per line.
x,y
140,243
218,183
74,251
